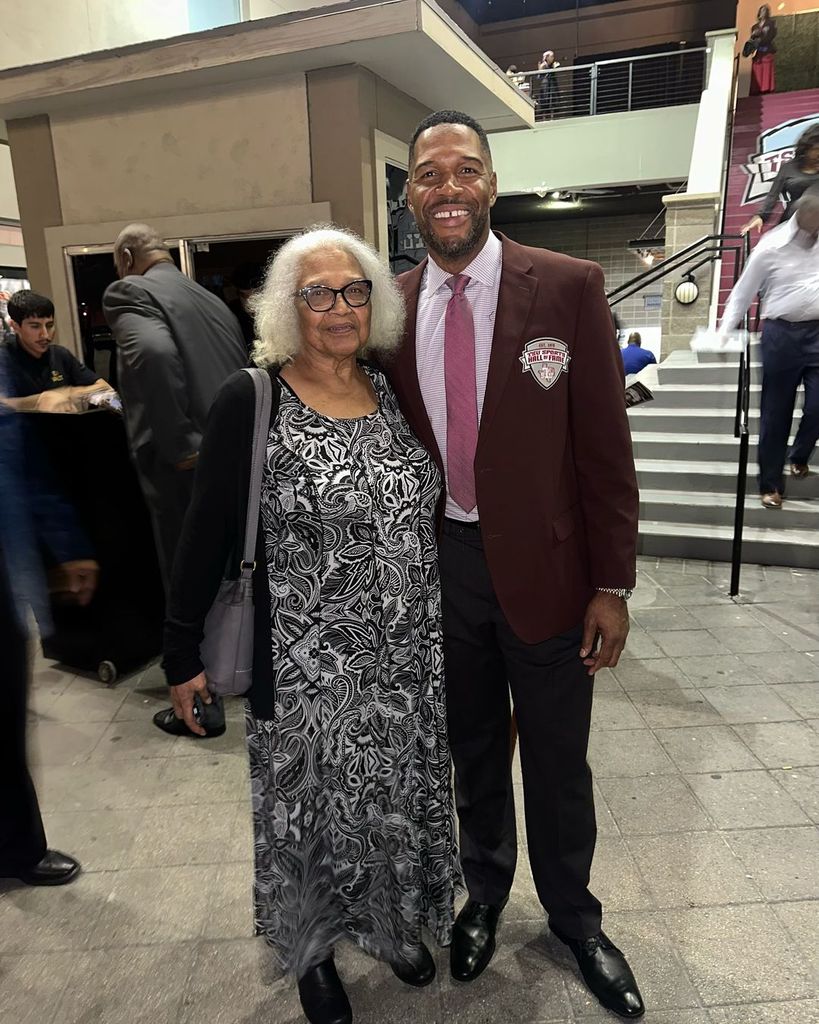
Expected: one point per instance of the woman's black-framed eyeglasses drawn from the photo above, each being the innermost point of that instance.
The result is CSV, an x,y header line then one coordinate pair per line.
x,y
321,298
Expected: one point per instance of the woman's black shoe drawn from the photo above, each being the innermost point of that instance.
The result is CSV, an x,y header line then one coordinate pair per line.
x,y
322,995
419,971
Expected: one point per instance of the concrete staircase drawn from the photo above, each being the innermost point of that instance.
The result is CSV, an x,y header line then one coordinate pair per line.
x,y
686,457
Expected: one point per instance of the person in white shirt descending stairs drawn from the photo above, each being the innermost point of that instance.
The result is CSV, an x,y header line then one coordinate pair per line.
x,y
784,268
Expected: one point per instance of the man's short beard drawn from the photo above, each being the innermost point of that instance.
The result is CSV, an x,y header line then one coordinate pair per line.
x,y
457,248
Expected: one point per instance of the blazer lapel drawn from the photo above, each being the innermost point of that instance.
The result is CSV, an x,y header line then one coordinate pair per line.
x,y
518,288
406,366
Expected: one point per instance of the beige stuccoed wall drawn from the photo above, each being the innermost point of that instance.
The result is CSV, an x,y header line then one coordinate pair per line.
x,y
347,105
224,148
36,31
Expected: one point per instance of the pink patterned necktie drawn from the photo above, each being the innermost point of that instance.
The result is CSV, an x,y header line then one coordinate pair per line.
x,y
461,395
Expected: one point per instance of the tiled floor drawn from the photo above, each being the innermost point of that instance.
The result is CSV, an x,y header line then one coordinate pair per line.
x,y
706,753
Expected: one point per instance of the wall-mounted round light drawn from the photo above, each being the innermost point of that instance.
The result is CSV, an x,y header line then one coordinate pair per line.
x,y
687,291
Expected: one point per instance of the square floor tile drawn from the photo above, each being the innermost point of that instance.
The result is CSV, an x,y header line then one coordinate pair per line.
x,y
627,753
684,642
747,639
154,905
87,700
802,1012
91,786
800,921
781,744
695,593
783,666
58,743
745,800
650,674
237,982
653,804
803,785
522,983
738,704
215,779
640,645
728,615
692,869
707,748
52,918
31,986
133,739
717,670
738,955
674,708
802,697
784,862
615,880
230,904
614,711
665,618
200,834
138,985
101,840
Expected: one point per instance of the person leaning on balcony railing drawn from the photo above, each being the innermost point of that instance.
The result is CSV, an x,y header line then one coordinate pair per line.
x,y
784,267
794,178
548,87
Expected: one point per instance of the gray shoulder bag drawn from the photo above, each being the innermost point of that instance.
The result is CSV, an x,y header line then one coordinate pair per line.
x,y
227,646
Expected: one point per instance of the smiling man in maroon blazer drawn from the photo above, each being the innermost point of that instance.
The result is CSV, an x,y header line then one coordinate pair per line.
x,y
509,376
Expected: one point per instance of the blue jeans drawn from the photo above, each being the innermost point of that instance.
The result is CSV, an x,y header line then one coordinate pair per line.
x,y
790,357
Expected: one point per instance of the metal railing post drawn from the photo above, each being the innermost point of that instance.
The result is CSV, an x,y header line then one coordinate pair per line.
x,y
630,82
593,98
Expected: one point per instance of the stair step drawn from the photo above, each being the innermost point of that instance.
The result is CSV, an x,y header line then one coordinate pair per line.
x,y
700,396
653,418
760,546
709,373
719,477
702,507
668,445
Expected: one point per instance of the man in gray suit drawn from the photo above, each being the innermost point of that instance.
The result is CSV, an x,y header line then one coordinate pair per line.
x,y
176,344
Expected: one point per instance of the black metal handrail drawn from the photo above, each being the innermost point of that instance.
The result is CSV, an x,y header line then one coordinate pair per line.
x,y
707,250
742,430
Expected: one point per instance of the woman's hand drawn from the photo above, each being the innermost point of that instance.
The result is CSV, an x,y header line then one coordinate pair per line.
x,y
182,700
754,222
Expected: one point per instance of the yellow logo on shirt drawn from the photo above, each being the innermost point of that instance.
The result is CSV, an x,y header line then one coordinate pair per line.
x,y
56,377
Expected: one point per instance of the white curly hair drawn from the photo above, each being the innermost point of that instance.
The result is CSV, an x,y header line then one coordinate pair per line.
x,y
277,322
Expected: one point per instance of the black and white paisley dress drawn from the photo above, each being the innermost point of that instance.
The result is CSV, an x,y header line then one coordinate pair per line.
x,y
352,807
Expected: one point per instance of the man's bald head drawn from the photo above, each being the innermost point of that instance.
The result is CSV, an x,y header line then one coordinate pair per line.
x,y
137,248
807,212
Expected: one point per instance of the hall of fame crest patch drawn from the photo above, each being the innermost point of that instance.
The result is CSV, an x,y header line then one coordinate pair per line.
x,y
546,358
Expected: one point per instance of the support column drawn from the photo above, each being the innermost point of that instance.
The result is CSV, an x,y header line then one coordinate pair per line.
x,y
687,219
38,192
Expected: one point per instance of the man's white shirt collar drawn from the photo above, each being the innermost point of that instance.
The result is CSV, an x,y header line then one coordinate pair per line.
x,y
483,269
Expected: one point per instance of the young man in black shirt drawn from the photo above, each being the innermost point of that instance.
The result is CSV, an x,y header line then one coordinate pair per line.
x,y
45,377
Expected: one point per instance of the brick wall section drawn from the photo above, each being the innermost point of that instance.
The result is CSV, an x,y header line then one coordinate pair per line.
x,y
604,240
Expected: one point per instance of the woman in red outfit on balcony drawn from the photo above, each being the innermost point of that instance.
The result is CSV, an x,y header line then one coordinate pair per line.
x,y
763,67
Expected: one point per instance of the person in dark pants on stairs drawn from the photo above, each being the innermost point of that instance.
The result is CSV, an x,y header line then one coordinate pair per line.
x,y
784,268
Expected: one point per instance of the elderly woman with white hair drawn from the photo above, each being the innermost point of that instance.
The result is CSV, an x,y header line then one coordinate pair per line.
x,y
346,719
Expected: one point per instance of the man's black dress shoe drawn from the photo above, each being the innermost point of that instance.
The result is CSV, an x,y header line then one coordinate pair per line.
x,y
607,973
54,869
419,971
473,939
322,995
168,722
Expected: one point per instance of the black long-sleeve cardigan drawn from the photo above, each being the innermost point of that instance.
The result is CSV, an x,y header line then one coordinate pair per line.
x,y
210,546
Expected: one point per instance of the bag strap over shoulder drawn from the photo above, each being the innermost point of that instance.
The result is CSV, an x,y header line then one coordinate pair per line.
x,y
263,386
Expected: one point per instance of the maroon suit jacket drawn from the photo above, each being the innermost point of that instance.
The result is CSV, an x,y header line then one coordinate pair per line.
x,y
554,470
